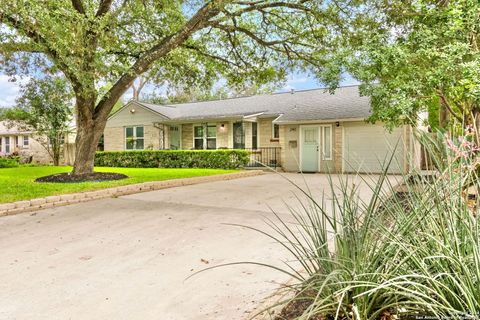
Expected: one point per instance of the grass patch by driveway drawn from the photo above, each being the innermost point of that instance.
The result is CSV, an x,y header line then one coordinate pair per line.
x,y
18,183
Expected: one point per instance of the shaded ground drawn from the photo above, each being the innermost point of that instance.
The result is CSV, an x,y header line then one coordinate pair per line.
x,y
128,258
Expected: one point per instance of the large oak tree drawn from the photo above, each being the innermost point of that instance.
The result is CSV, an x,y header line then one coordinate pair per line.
x,y
102,46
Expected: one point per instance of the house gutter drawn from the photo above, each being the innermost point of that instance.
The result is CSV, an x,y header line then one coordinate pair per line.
x,y
277,121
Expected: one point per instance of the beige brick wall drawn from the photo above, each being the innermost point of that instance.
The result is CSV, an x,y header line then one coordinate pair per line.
x,y
34,149
152,137
114,138
265,132
223,135
187,136
289,141
338,148
247,127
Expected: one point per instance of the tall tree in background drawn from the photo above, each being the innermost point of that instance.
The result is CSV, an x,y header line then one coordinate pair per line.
x,y
191,42
412,56
45,107
138,85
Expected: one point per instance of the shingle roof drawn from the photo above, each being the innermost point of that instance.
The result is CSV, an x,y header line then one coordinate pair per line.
x,y
7,128
316,104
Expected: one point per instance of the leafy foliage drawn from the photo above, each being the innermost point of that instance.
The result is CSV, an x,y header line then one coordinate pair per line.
x,y
102,46
215,159
8,162
410,54
408,251
44,107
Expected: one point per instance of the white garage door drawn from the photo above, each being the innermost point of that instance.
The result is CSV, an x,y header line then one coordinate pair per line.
x,y
368,147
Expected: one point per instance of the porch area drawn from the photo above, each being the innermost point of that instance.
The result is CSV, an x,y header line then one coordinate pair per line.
x,y
264,157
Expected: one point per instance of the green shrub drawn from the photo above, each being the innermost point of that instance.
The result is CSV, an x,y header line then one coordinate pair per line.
x,y
215,159
8,163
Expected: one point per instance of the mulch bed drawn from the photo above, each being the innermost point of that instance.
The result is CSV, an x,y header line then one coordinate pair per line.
x,y
89,177
295,309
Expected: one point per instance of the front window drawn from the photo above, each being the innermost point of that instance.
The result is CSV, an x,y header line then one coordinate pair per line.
x,y
327,142
26,142
211,137
198,137
275,131
205,136
134,137
7,144
238,136
254,135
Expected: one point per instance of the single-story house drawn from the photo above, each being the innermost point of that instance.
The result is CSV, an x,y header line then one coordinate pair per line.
x,y
309,131
16,141
27,144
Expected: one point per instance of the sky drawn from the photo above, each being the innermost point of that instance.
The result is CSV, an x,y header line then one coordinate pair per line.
x,y
299,81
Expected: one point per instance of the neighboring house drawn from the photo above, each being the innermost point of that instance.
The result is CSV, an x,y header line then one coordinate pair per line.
x,y
26,144
14,140
310,131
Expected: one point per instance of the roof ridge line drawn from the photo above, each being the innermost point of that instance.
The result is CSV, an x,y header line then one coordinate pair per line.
x,y
174,105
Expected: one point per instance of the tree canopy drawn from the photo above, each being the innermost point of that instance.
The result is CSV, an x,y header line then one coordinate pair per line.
x,y
101,46
413,55
44,107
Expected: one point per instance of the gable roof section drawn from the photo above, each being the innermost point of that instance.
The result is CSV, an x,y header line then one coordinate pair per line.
x,y
307,105
7,128
166,112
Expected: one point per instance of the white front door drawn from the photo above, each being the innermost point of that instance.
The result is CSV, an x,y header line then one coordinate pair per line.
x,y
310,146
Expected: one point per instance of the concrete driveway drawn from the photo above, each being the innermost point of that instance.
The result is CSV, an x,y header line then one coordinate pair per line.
x,y
129,257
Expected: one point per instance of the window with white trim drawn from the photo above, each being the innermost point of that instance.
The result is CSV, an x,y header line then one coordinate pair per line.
x,y
205,136
134,138
7,145
275,131
327,143
26,142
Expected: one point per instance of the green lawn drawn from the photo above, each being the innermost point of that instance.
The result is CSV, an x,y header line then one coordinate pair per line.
x,y
18,183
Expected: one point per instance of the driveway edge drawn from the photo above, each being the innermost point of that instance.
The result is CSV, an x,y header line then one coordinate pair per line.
x,y
12,208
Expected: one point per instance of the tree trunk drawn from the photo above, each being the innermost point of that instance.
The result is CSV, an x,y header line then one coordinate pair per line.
x,y
476,123
89,131
56,157
443,115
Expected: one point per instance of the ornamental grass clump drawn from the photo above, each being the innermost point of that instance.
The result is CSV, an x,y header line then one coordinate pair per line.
x,y
411,250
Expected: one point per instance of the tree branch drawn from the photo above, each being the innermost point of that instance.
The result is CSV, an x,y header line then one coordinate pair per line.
x,y
78,5
31,32
104,7
166,45
21,47
444,101
211,56
250,34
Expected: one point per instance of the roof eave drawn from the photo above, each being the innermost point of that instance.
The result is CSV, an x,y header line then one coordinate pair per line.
x,y
279,121
129,103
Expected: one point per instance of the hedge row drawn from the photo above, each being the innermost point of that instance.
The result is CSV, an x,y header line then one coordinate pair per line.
x,y
8,162
215,159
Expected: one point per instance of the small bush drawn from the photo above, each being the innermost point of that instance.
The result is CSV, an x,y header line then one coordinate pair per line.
x,y
8,162
214,159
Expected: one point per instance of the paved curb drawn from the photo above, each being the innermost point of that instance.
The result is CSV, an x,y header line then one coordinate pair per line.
x,y
12,208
